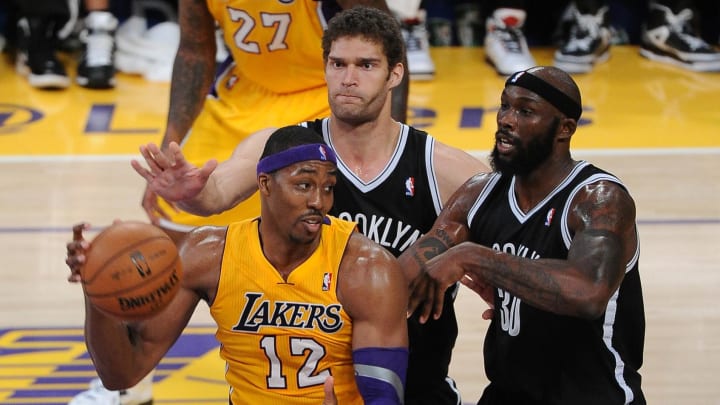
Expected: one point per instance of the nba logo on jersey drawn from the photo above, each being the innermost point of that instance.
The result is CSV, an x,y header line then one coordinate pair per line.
x,y
410,186
549,217
327,279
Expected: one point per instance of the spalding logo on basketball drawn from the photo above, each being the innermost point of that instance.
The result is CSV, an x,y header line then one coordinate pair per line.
x,y
132,270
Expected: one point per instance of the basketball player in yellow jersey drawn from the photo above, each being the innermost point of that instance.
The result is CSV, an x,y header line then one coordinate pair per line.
x,y
289,292
275,78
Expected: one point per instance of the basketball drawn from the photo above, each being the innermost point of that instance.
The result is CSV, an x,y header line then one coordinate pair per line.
x,y
132,270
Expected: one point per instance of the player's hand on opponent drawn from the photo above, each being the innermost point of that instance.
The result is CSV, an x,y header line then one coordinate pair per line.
x,y
422,290
329,388
169,176
484,290
76,251
440,273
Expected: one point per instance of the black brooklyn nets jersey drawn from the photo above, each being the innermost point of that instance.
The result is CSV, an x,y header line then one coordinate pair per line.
x,y
536,357
394,210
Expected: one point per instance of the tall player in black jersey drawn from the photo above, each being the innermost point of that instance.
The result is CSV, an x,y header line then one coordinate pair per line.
x,y
553,243
393,179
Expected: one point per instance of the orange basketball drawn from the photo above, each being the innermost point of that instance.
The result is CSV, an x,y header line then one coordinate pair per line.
x,y
132,270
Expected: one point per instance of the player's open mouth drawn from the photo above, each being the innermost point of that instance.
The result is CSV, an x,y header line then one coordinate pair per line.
x,y
503,144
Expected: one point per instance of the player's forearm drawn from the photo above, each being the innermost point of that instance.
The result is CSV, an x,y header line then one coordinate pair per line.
x,y
413,260
191,80
226,187
551,285
113,347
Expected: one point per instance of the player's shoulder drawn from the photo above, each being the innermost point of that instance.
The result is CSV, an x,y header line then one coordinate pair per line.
x,y
362,248
364,259
451,159
202,240
368,267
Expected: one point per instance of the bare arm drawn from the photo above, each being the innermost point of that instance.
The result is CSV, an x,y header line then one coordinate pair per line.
x,y
234,180
453,167
192,75
449,229
193,70
124,352
602,219
370,274
205,190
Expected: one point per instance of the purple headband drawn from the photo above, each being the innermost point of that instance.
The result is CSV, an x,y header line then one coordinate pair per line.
x,y
313,151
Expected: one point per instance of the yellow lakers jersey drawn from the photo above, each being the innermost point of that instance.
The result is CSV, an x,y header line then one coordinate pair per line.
x,y
275,43
282,339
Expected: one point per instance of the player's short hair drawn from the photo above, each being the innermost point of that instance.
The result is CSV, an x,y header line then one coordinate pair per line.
x,y
288,137
370,23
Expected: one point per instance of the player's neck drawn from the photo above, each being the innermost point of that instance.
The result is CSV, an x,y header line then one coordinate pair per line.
x,y
284,255
366,148
532,188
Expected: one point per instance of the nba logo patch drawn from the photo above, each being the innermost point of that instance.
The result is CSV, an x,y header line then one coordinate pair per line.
x,y
231,82
323,155
410,187
327,280
549,216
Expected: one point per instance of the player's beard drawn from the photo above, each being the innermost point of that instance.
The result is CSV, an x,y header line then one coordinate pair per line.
x,y
527,157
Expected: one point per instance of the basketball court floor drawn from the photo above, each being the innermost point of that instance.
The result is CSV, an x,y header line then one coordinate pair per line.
x,y
64,158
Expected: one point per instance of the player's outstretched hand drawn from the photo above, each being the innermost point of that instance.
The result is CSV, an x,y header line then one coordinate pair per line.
x,y
169,175
76,251
329,387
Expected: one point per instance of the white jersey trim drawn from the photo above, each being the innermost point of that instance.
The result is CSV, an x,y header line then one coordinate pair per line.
x,y
515,207
489,186
386,172
320,15
432,178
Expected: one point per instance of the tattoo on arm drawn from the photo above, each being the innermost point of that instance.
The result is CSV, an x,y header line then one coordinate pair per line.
x,y
187,93
431,247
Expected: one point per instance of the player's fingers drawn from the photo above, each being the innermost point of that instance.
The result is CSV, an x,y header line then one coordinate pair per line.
x,y
149,204
78,230
149,156
412,299
75,259
141,170
175,152
208,168
439,301
328,388
427,305
152,208
418,290
163,160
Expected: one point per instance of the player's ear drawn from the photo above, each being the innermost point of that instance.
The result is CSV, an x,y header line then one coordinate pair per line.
x,y
396,75
566,129
263,179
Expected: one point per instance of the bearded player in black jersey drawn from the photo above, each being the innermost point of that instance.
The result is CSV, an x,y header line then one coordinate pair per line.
x,y
552,243
393,179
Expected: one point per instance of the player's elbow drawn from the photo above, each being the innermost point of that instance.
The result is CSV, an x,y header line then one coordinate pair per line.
x,y
114,381
592,304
